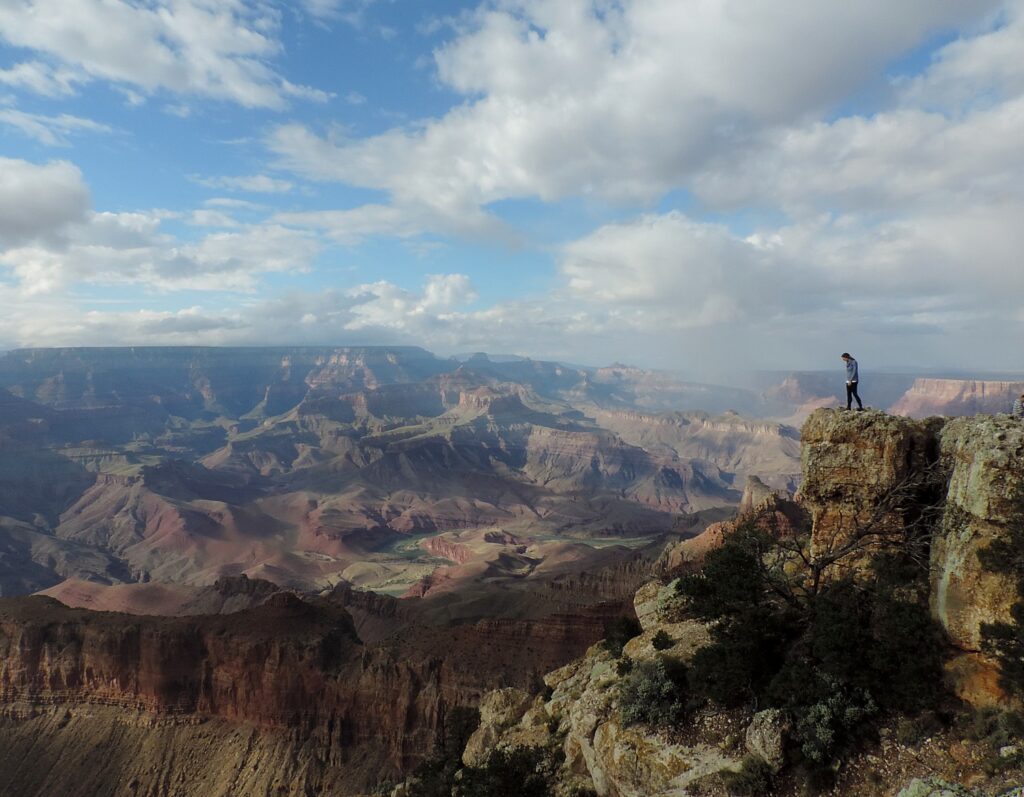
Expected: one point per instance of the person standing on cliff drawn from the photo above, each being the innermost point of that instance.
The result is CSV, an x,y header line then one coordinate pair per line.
x,y
852,378
1018,407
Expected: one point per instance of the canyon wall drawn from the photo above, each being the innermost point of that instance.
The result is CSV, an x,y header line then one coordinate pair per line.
x,y
283,698
957,397
964,477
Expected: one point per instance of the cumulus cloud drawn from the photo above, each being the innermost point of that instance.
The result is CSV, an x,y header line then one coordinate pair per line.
x,y
903,221
383,305
51,240
40,201
375,313
621,101
112,248
220,49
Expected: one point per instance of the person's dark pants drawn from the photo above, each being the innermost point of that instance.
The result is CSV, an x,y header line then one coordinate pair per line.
x,y
851,394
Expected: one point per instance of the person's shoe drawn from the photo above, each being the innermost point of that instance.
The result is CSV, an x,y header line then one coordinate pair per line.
x,y
860,409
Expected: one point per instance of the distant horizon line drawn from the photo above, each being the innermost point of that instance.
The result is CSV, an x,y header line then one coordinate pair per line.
x,y
948,372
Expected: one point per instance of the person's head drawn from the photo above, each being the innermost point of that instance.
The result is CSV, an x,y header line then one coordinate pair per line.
x,y
846,355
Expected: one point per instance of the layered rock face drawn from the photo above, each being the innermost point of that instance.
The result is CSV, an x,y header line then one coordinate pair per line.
x,y
283,698
957,397
307,466
873,470
969,471
770,510
985,503
864,475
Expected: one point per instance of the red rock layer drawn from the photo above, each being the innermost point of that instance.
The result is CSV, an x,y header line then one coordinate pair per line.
x,y
288,666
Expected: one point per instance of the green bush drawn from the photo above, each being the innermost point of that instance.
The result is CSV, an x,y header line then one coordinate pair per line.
x,y
653,693
995,728
624,665
825,726
618,632
752,779
520,772
434,777
835,654
911,731
662,641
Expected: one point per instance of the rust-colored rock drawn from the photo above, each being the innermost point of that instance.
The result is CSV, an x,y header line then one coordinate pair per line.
x,y
290,673
985,458
769,510
865,474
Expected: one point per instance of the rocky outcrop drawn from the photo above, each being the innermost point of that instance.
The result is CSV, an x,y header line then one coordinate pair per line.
x,y
767,737
770,510
602,753
985,502
968,475
871,470
290,677
446,549
865,474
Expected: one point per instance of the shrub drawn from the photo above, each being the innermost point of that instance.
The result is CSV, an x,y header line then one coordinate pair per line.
x,y
752,779
624,665
825,726
653,693
434,777
912,731
618,632
996,728
835,653
662,641
522,772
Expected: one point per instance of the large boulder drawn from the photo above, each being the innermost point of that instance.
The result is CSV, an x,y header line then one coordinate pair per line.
x,y
935,787
499,711
767,736
861,473
985,458
656,604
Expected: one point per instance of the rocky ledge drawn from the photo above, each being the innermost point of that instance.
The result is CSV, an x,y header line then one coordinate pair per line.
x,y
964,477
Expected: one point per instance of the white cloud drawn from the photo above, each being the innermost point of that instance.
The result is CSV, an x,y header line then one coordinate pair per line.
x,y
975,70
40,201
50,130
620,101
41,78
383,305
896,162
255,183
350,11
220,49
374,313
131,248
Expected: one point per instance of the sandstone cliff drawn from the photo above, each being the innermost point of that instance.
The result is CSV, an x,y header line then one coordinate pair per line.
x,y
871,469
283,698
961,483
957,397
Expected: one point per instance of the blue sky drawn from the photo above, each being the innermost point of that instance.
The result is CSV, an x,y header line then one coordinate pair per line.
x,y
691,184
